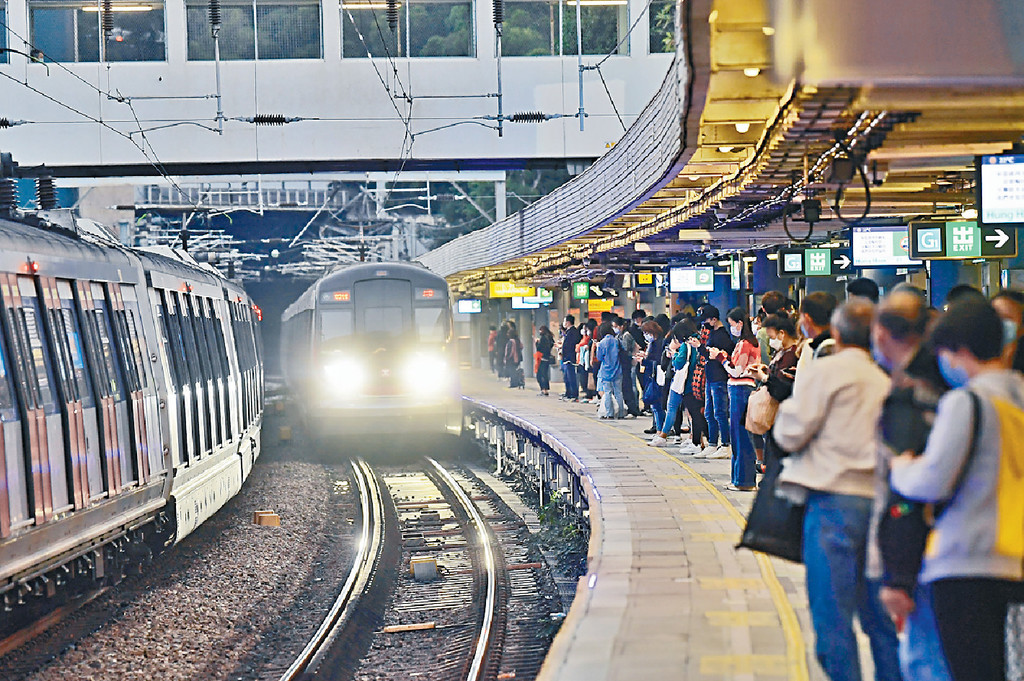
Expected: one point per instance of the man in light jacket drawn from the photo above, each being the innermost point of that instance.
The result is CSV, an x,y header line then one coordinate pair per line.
x,y
829,423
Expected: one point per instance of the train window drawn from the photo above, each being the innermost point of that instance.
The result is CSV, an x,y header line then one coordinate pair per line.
x,y
59,342
188,336
218,334
335,323
30,318
120,331
6,395
170,350
70,321
101,324
211,342
431,324
384,321
202,350
136,346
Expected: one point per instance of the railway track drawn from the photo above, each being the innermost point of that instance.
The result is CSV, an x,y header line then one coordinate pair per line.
x,y
453,625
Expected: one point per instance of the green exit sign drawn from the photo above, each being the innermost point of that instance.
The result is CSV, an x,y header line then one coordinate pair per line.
x,y
581,290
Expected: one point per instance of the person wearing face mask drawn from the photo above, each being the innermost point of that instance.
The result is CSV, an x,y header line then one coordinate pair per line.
x,y
894,549
1009,305
681,366
716,400
741,384
972,464
815,311
777,376
771,302
654,391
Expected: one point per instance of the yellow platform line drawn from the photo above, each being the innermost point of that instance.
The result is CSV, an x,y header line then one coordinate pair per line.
x,y
796,650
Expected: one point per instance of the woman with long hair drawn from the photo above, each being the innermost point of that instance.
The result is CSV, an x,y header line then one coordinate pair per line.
x,y
545,342
654,391
744,355
683,341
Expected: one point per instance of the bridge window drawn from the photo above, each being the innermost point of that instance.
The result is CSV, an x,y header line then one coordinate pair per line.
x,y
3,32
663,26
72,31
261,29
539,28
434,28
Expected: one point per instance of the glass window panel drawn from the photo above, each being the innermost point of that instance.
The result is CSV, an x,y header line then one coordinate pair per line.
x,y
441,29
431,324
602,25
383,321
530,29
6,394
288,30
3,32
237,32
335,324
68,32
370,22
663,26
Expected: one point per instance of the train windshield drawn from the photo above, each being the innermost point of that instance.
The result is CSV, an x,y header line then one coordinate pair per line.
x,y
335,323
431,324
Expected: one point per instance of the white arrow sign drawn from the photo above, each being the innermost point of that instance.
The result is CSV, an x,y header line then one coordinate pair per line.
x,y
1000,237
596,290
843,262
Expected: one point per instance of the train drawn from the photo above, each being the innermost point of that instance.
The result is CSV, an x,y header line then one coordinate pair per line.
x,y
368,348
131,402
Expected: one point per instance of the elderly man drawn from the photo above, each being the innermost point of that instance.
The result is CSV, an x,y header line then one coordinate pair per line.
x,y
897,341
829,425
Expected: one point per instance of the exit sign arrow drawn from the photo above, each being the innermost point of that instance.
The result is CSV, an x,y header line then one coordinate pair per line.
x,y
843,261
1000,238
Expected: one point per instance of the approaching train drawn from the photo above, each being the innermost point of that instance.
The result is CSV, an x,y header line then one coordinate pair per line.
x,y
369,349
131,398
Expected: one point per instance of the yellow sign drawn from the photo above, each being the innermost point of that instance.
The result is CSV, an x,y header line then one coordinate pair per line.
x,y
508,289
644,278
600,305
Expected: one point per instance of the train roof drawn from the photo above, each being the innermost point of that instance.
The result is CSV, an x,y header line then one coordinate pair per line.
x,y
346,275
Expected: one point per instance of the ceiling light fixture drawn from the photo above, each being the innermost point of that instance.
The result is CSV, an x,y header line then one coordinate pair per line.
x,y
742,127
751,72
768,30
726,150
969,214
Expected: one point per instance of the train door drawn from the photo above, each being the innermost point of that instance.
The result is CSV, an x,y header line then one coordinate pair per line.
x,y
41,413
177,408
131,369
199,374
217,374
142,350
383,308
217,308
14,486
110,386
189,427
67,361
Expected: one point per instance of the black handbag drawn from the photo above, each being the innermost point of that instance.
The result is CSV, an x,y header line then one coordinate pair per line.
x,y
905,524
775,524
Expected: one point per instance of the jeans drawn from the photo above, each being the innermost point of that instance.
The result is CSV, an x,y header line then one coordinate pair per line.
x,y
629,395
612,391
743,459
572,386
716,410
675,400
835,543
921,656
544,374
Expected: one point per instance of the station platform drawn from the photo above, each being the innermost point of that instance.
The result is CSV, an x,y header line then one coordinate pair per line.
x,y
667,594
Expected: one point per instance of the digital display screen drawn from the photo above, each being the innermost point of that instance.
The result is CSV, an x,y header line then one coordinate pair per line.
x,y
520,303
1001,190
683,279
469,306
884,246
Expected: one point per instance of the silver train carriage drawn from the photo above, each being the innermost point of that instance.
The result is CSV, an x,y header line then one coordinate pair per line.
x,y
131,398
369,349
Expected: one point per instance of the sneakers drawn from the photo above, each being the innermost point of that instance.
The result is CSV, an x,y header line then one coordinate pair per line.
x,y
723,452
690,448
706,452
658,441
736,488
650,431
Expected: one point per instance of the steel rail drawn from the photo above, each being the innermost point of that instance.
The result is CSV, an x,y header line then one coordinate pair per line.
x,y
371,542
476,668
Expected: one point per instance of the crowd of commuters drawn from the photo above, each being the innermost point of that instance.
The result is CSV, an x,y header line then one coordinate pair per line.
x,y
899,430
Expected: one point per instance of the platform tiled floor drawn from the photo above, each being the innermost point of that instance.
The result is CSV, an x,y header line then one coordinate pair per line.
x,y
667,595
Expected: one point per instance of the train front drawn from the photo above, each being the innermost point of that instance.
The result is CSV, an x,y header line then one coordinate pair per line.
x,y
385,355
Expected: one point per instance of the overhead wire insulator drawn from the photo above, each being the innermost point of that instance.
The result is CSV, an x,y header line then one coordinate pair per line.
x,y
214,13
528,117
108,17
269,119
5,123
46,194
392,13
8,195
498,7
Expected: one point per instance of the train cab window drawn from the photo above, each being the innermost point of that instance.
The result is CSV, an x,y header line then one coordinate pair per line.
x,y
431,324
384,321
336,323
383,307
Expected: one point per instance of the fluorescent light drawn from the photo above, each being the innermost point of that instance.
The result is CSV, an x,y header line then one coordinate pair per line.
x,y
742,127
724,263
693,178
772,256
120,8
751,72
597,3
768,30
750,258
726,150
969,214
641,247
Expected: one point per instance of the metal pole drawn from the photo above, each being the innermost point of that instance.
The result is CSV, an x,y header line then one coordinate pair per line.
x,y
579,57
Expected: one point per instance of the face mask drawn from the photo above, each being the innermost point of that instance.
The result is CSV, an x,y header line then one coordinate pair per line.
x,y
880,359
649,337
1009,331
735,330
775,344
956,377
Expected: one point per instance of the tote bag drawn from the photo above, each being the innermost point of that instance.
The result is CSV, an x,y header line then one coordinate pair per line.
x,y
775,525
761,411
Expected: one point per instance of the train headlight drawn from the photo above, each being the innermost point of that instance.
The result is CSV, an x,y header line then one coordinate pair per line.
x,y
344,375
426,374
